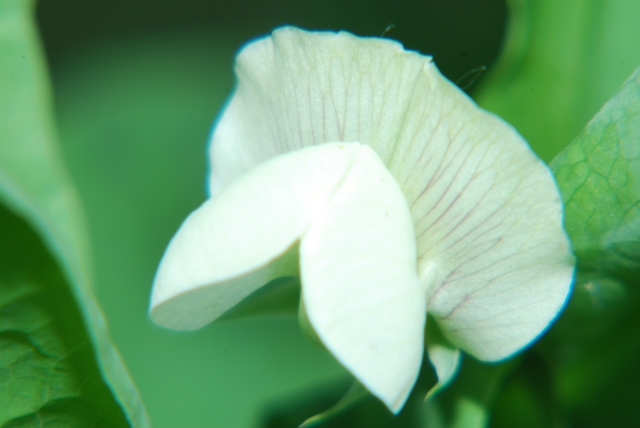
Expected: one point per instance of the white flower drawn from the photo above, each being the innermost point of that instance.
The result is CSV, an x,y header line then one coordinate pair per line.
x,y
356,165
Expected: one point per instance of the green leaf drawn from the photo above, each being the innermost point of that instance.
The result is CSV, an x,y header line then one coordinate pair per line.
x,y
599,178
594,347
55,347
48,370
561,61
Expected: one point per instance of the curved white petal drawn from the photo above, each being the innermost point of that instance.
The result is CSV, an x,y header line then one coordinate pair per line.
x,y
446,362
233,243
487,215
488,219
357,259
359,281
296,89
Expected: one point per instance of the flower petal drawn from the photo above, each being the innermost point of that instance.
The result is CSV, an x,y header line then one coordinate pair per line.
x,y
491,249
359,281
357,250
296,89
235,243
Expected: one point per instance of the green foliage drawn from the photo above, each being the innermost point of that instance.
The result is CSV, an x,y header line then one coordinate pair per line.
x,y
561,61
583,371
599,177
48,370
55,350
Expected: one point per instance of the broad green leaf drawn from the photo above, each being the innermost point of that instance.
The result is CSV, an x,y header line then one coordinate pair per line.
x,y
48,371
593,349
599,178
561,61
34,184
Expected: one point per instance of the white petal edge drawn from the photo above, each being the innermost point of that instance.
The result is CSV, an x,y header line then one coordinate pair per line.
x,y
492,251
240,240
297,89
446,362
359,281
357,259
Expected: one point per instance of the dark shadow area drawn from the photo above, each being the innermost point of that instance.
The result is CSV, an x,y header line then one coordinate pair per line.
x,y
460,34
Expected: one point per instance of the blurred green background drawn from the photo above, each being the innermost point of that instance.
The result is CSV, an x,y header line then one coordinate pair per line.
x,y
137,87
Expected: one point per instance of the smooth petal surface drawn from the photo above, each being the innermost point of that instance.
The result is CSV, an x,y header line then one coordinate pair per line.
x,y
359,281
491,250
357,259
491,247
234,243
297,89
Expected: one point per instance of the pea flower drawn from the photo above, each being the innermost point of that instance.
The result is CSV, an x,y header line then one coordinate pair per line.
x,y
356,165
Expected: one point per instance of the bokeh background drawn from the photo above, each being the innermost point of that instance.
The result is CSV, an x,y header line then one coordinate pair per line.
x,y
137,87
